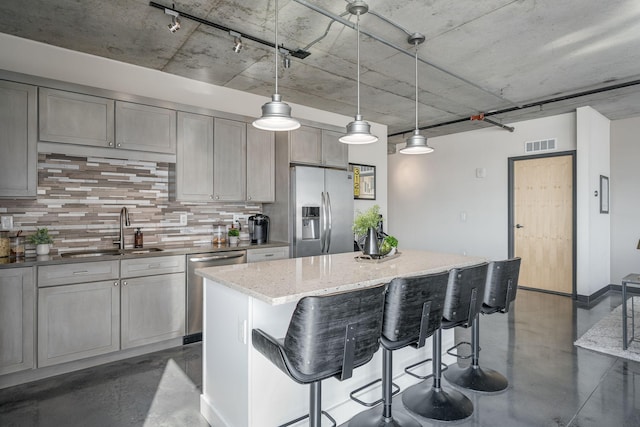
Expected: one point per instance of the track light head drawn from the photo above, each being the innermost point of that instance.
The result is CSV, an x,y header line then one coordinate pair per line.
x,y
237,41
175,20
286,58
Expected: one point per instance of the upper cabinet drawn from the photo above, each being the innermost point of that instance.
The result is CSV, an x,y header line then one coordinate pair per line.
x,y
229,160
145,128
261,163
194,160
18,140
319,147
86,120
74,118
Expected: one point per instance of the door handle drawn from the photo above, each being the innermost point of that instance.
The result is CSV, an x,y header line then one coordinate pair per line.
x,y
323,228
519,226
330,221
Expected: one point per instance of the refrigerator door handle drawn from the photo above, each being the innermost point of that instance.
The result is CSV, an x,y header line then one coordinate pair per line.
x,y
329,221
323,227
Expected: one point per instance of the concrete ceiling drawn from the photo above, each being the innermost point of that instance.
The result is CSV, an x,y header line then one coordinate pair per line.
x,y
505,58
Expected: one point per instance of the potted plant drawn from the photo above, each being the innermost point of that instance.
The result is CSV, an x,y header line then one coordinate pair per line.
x,y
389,245
234,234
365,226
42,240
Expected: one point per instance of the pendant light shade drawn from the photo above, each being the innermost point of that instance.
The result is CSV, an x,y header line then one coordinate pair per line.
x,y
358,131
276,115
416,143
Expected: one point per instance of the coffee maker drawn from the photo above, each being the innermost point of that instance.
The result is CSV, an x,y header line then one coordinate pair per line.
x,y
259,228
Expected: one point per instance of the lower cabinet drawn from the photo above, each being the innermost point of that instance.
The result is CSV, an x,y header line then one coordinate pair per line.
x,y
153,309
17,318
78,321
267,254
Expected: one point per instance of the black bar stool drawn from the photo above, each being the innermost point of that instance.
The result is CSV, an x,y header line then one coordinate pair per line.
x,y
464,298
328,336
500,291
412,313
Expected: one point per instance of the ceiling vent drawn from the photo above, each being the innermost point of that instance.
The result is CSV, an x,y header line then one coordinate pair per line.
x,y
541,145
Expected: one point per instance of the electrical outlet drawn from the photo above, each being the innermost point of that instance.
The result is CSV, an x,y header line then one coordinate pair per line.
x,y
240,218
6,222
183,219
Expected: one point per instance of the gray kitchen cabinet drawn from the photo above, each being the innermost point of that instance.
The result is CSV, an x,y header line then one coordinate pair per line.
x,y
261,163
320,147
334,152
18,140
229,160
145,128
74,118
153,309
267,254
17,319
78,321
194,159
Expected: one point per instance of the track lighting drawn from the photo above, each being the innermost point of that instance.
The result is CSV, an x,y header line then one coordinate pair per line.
x,y
286,58
237,41
175,21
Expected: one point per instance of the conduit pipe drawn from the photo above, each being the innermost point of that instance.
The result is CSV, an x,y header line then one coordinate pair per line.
x,y
482,118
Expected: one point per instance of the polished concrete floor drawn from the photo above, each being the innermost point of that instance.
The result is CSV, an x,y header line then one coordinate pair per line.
x,y
552,383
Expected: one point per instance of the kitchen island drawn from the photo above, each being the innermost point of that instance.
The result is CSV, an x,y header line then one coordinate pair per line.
x,y
240,386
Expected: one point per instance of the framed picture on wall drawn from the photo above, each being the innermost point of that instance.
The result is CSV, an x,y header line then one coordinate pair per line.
x,y
364,181
604,194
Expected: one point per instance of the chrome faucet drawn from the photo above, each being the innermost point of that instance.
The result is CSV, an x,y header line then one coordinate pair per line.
x,y
124,220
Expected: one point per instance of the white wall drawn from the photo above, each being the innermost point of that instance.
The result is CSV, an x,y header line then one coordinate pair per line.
x,y
625,198
593,228
42,60
430,195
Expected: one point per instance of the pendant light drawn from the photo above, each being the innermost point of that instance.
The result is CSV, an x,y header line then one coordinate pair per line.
x,y
358,131
416,143
276,115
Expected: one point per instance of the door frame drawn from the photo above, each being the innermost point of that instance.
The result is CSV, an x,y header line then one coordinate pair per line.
x,y
510,215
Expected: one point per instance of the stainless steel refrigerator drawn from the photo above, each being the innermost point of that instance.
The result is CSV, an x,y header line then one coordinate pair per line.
x,y
322,217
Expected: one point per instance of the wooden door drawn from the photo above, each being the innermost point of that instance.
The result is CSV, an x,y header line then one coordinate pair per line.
x,y
543,222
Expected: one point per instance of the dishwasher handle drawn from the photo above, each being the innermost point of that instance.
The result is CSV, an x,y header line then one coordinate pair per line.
x,y
216,258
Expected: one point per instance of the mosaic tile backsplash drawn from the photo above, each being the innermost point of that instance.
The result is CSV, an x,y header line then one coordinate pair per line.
x,y
80,198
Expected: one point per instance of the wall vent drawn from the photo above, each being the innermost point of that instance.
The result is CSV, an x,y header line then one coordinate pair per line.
x,y
541,145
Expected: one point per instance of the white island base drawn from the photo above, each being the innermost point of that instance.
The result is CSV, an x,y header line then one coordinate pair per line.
x,y
241,388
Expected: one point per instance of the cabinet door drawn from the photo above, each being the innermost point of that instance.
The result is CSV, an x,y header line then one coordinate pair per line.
x,y
145,128
194,159
78,321
17,319
153,309
334,152
74,118
261,165
18,138
229,160
267,254
306,146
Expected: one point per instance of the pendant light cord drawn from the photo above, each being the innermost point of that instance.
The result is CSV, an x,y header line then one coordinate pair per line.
x,y
276,43
416,43
358,71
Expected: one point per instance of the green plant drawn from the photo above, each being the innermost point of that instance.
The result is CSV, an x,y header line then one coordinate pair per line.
x,y
41,237
364,220
388,243
234,232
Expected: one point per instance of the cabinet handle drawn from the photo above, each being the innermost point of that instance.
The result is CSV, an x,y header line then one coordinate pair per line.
x,y
217,197
267,255
249,198
110,144
80,272
119,145
124,283
115,283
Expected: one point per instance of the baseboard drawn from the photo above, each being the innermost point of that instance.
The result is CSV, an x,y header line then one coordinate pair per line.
x,y
590,300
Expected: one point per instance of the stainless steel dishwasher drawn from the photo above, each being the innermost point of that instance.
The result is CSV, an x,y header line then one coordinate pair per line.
x,y
194,286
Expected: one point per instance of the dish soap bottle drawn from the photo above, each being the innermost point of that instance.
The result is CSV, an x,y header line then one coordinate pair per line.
x,y
137,238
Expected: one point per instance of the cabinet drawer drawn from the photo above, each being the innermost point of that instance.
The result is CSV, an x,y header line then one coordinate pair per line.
x,y
81,272
150,266
267,254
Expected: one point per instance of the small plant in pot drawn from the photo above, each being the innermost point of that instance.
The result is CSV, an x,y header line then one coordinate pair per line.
x,y
42,240
234,234
389,245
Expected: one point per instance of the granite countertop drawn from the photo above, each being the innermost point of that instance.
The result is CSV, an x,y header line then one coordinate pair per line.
x,y
167,250
288,280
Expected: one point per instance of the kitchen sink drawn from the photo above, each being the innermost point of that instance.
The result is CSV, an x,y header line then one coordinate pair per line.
x,y
107,252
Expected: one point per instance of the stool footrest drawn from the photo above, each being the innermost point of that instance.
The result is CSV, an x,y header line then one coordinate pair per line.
x,y
407,370
459,356
297,420
395,391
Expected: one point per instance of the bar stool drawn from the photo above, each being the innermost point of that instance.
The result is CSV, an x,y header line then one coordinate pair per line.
x,y
328,336
412,313
464,298
500,291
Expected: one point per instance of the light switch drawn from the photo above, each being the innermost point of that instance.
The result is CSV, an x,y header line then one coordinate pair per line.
x,y
6,222
481,173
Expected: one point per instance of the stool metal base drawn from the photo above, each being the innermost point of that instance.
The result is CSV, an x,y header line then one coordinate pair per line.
x,y
374,418
476,378
437,404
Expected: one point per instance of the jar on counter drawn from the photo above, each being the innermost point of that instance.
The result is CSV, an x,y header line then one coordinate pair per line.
x,y
219,234
5,245
16,247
